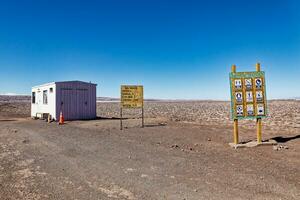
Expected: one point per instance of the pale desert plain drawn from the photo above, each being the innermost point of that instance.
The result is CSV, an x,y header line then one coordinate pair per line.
x,y
181,153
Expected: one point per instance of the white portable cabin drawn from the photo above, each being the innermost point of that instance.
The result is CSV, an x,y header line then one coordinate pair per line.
x,y
75,99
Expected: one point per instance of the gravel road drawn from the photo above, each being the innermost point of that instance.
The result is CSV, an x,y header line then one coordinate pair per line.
x,y
164,160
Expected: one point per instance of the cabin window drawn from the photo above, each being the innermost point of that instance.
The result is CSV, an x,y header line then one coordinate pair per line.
x,y
51,90
45,97
33,98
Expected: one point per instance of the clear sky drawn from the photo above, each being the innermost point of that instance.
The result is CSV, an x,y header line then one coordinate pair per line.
x,y
176,49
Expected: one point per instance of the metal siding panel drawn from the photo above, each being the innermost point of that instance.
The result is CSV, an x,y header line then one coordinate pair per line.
x,y
90,102
88,110
73,101
76,103
94,108
94,102
58,101
79,99
74,107
86,104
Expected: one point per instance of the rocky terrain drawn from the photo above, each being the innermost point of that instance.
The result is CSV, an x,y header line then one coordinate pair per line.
x,y
283,114
181,153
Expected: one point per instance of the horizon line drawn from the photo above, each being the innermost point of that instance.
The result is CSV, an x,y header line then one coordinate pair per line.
x,y
117,99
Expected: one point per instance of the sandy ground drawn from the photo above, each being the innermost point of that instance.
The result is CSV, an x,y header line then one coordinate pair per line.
x,y
182,153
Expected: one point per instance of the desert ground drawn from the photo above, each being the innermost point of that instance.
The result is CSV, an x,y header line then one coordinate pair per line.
x,y
181,153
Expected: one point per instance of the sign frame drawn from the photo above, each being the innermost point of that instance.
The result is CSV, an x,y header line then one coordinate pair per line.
x,y
253,76
139,104
258,74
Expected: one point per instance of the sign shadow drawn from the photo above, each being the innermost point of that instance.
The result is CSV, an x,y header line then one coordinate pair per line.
x,y
281,139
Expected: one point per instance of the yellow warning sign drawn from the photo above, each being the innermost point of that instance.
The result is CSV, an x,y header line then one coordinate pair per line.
x,y
132,96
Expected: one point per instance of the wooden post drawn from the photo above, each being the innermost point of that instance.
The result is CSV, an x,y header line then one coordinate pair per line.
x,y
49,118
235,125
258,67
258,120
233,68
258,130
121,116
236,131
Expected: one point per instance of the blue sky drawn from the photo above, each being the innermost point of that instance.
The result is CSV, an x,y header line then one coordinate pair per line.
x,y
176,49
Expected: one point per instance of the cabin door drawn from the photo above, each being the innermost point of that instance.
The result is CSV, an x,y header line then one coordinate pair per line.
x,y
68,100
74,104
82,103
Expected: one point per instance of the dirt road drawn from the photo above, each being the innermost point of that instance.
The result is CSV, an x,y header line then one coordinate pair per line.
x,y
164,160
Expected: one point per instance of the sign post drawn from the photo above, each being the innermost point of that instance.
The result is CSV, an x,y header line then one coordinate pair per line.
x,y
121,117
248,99
235,125
132,96
143,117
258,120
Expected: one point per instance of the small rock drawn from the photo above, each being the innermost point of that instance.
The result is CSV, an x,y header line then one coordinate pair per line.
x,y
275,148
175,146
209,139
130,169
144,175
25,141
286,147
195,190
162,124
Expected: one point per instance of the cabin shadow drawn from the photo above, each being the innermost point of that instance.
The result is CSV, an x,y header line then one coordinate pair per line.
x,y
99,118
7,120
154,125
110,118
105,118
280,139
